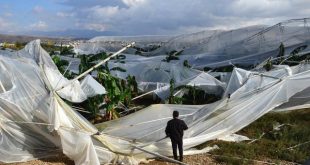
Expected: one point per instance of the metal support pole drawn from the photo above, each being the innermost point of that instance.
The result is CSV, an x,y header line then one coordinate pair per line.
x,y
96,66
259,74
143,94
160,156
2,87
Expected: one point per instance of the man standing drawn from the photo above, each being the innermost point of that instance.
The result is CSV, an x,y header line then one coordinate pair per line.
x,y
174,130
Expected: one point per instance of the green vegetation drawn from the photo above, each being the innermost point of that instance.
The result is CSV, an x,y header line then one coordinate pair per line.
x,y
119,59
87,61
193,96
149,48
281,50
298,50
19,45
66,50
14,46
173,55
51,48
268,65
206,69
186,64
196,96
171,89
295,57
227,68
119,69
119,92
292,59
138,52
274,145
62,66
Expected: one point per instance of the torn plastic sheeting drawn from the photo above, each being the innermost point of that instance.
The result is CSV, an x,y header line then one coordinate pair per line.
x,y
202,81
247,46
73,92
156,76
206,122
91,87
234,138
33,111
214,120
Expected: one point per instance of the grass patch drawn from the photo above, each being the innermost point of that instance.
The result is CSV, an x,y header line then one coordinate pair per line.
x,y
273,145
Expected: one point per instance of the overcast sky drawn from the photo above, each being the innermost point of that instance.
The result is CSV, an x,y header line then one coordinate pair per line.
x,y
144,17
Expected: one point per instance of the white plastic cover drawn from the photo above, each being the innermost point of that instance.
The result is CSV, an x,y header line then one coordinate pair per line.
x,y
152,75
91,87
258,95
35,122
244,46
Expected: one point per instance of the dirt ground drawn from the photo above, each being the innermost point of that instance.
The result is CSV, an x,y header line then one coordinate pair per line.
x,y
200,159
63,160
57,160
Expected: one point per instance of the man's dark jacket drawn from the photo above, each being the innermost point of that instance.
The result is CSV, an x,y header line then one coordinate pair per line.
x,y
175,128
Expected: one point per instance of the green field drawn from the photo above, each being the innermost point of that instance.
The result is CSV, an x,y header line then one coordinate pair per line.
x,y
289,144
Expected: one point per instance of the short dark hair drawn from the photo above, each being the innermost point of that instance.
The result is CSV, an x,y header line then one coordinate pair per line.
x,y
175,114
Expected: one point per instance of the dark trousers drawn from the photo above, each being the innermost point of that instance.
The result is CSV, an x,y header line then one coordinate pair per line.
x,y
177,144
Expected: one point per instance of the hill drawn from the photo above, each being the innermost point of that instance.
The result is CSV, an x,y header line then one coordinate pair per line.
x,y
26,39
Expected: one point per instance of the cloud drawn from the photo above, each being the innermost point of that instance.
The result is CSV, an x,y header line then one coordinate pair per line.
x,y
92,26
78,4
40,25
261,7
4,24
102,12
64,14
8,14
131,3
7,25
175,16
97,27
38,10
140,17
146,17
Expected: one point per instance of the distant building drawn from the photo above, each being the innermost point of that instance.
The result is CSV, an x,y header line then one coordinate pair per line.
x,y
57,52
7,45
62,44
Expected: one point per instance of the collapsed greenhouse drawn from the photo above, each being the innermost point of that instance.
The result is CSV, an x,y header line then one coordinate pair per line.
x,y
37,122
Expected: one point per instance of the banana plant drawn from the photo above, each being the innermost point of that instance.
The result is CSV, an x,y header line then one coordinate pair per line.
x,y
172,86
133,85
173,55
118,91
87,61
62,66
